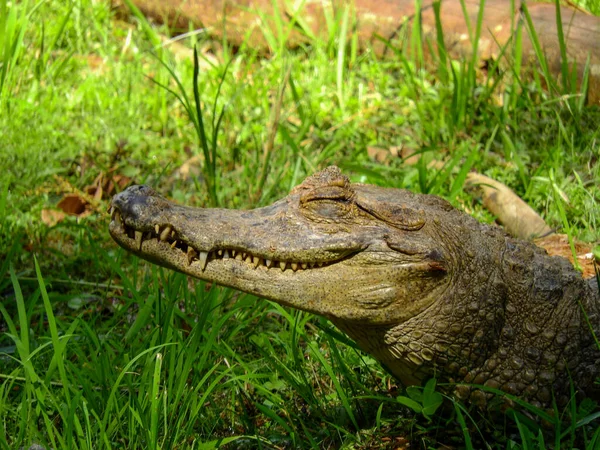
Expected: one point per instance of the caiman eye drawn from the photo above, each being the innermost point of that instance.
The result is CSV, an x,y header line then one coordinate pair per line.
x,y
330,209
330,202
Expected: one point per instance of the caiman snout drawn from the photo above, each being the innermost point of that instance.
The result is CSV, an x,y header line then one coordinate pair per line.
x,y
135,199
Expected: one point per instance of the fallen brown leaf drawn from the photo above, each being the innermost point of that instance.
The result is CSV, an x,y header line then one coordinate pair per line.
x,y
190,168
410,155
52,216
72,204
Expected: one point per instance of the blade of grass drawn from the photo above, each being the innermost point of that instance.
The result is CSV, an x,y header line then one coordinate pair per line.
x,y
564,62
208,163
442,53
58,343
517,60
465,168
316,352
148,29
416,38
155,402
559,201
13,23
539,52
273,128
111,399
463,426
341,77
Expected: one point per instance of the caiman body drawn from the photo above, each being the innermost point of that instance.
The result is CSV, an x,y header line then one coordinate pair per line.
x,y
423,287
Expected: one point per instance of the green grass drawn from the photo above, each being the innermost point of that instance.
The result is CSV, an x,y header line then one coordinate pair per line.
x,y
101,350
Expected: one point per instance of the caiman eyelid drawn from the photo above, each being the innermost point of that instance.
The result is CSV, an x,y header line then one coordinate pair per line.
x,y
327,193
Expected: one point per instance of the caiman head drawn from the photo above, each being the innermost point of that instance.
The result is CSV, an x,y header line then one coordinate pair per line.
x,y
410,278
354,253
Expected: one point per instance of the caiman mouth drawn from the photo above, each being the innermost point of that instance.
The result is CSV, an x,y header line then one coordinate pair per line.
x,y
166,236
357,254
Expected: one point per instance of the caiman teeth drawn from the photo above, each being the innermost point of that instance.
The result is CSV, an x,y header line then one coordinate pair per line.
x,y
138,239
116,216
191,255
167,235
203,257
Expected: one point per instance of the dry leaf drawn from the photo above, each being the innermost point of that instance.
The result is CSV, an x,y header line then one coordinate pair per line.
x,y
72,204
104,186
382,155
190,168
377,154
51,216
410,155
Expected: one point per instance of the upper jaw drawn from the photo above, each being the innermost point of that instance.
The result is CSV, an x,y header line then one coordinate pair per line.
x,y
188,239
151,227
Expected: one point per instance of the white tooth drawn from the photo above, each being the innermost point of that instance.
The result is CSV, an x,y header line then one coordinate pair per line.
x,y
225,254
233,253
203,260
220,252
138,239
174,244
282,265
110,210
268,262
117,217
294,266
248,258
157,229
256,261
304,265
238,256
165,233
191,254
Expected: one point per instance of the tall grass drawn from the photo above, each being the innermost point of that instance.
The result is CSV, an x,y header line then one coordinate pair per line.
x,y
13,25
100,350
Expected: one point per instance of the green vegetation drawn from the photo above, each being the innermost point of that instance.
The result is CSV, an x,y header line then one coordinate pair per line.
x,y
101,350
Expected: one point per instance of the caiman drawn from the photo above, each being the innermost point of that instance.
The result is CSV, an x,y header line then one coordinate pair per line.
x,y
422,286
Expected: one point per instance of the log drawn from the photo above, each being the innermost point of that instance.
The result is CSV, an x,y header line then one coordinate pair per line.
x,y
241,22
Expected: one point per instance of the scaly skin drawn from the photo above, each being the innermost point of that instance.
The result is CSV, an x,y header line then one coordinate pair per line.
x,y
423,287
